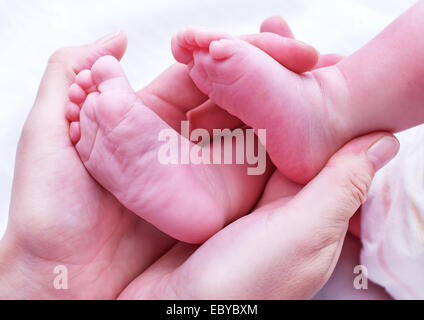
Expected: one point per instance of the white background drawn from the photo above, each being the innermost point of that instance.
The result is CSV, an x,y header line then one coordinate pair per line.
x,y
31,30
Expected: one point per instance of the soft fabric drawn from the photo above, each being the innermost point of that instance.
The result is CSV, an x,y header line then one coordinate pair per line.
x,y
392,221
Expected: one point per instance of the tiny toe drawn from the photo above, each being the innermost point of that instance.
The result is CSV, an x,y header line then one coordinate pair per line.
x,y
188,37
75,132
187,40
108,74
72,112
222,49
76,94
85,80
180,52
182,39
202,37
106,68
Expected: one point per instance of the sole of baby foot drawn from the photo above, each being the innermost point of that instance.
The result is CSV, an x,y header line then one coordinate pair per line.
x,y
116,137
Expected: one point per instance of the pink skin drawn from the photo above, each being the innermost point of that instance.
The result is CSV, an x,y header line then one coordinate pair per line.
x,y
244,81
60,216
302,59
123,158
294,236
310,116
116,136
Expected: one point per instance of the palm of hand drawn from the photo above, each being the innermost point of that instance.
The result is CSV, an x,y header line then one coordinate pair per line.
x,y
79,225
75,222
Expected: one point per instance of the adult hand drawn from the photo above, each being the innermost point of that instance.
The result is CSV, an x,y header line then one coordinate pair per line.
x,y
286,248
209,116
59,215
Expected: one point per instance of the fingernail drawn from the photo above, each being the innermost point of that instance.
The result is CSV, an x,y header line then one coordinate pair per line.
x,y
108,37
382,151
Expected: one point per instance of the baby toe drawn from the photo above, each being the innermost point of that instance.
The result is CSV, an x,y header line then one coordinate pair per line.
x,y
106,68
222,49
76,94
108,75
190,39
85,80
203,36
72,111
181,53
75,132
199,37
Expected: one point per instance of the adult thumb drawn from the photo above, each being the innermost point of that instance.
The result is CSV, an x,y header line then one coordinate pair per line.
x,y
342,186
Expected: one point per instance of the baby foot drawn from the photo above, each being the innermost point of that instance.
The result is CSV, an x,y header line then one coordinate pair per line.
x,y
116,137
252,86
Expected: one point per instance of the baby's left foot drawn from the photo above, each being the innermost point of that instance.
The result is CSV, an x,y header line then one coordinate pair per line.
x,y
251,85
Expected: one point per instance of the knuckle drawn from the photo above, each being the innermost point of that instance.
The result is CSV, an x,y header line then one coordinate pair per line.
x,y
358,184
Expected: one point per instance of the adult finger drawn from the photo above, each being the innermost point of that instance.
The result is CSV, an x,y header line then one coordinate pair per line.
x,y
277,25
172,94
346,177
327,60
295,55
289,249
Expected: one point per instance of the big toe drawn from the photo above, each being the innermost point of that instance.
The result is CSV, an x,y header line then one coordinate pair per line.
x,y
107,74
219,71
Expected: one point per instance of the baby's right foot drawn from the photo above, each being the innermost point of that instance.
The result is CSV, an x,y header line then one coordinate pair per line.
x,y
116,136
301,132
